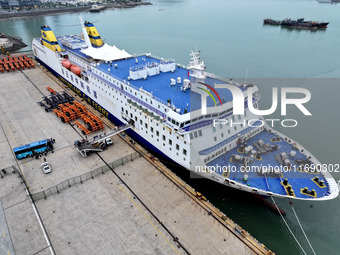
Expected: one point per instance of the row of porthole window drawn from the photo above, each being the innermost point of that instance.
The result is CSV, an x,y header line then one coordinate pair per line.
x,y
230,145
157,132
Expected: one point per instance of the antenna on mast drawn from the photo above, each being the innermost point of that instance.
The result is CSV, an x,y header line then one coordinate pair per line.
x,y
196,65
86,36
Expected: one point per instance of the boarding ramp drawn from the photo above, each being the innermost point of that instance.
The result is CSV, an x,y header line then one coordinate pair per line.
x,y
99,142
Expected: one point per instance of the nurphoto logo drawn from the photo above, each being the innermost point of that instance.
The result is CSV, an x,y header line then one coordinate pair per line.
x,y
239,102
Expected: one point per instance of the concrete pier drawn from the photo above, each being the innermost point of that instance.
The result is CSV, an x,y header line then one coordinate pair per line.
x,y
140,207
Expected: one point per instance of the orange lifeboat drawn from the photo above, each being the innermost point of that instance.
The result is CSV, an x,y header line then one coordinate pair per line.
x,y
66,64
75,69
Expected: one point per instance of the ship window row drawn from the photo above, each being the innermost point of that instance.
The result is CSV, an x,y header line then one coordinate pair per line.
x,y
215,115
217,153
196,134
123,87
224,149
157,132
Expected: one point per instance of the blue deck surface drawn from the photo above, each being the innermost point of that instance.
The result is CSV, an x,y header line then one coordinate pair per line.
x,y
296,178
159,85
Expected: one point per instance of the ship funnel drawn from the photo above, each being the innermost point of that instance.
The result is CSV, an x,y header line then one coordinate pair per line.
x,y
48,39
93,34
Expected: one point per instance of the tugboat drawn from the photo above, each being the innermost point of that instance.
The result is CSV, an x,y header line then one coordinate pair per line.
x,y
299,23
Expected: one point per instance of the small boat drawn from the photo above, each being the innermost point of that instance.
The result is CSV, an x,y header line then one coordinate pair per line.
x,y
96,8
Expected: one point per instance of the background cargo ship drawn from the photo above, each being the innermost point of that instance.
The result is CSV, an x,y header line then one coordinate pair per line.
x,y
299,23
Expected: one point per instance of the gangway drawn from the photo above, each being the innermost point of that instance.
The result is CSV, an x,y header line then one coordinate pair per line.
x,y
99,142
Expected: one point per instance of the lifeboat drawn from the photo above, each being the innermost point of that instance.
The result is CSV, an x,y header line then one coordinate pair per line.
x,y
66,64
75,69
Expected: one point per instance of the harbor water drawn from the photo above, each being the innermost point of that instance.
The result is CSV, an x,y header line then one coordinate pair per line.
x,y
234,43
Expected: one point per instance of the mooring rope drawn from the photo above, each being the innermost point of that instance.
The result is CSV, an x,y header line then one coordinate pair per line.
x,y
303,231
288,227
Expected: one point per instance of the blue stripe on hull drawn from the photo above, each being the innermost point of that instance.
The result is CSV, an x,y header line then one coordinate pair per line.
x,y
111,117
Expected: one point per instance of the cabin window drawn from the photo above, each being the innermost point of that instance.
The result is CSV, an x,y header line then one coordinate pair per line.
x,y
184,152
157,133
170,141
163,137
177,147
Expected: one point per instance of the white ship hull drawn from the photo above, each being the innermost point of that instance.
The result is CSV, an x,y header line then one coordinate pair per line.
x,y
113,99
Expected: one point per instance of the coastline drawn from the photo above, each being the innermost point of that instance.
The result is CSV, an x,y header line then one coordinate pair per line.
x,y
54,11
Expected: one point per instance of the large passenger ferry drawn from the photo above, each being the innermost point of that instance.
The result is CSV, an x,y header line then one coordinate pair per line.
x,y
163,100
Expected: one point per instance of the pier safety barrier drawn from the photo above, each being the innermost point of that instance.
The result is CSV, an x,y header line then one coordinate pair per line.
x,y
68,183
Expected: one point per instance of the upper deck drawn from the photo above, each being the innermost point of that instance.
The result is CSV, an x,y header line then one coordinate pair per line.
x,y
159,85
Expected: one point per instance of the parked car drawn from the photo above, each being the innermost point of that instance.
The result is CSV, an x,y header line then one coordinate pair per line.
x,y
46,167
109,141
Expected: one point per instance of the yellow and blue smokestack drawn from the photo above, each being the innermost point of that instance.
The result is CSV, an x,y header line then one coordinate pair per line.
x,y
93,34
48,39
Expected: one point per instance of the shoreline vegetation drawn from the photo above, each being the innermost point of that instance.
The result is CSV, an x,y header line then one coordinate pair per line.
x,y
54,11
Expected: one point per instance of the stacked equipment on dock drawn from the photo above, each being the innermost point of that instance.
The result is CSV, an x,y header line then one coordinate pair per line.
x,y
15,63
